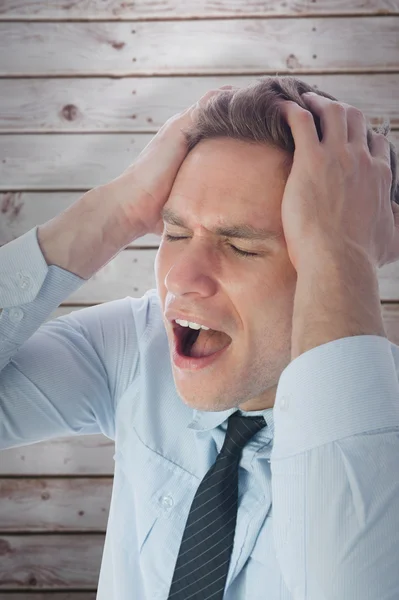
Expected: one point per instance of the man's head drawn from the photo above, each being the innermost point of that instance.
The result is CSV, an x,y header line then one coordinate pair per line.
x,y
240,155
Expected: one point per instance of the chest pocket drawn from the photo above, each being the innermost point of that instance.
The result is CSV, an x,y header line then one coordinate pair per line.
x,y
160,494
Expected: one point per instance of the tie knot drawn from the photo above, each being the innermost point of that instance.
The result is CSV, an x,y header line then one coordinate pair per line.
x,y
239,431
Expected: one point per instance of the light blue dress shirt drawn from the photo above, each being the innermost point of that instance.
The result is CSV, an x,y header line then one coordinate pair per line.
x,y
318,507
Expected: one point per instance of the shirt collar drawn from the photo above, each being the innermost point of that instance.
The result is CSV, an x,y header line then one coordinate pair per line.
x,y
205,420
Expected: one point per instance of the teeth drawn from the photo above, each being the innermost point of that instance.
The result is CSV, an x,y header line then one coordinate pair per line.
x,y
191,324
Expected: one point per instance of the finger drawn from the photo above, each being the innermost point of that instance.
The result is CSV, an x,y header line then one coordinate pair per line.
x,y
357,125
380,147
302,125
332,117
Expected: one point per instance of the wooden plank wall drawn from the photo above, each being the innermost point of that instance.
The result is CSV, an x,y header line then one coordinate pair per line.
x,y
84,85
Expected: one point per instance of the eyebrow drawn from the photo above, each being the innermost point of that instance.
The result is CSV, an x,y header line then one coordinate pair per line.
x,y
242,231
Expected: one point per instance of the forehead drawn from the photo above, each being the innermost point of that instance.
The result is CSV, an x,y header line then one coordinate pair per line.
x,y
230,177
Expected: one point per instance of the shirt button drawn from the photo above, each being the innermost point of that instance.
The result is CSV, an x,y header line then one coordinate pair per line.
x,y
16,314
24,281
167,502
284,403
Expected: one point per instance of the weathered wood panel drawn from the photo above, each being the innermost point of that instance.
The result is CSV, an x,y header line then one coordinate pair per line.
x,y
210,46
80,455
20,211
62,161
48,596
51,561
131,273
144,104
56,505
188,9
72,162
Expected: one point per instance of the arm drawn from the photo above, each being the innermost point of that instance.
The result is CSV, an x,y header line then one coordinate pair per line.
x,y
38,397
336,296
89,234
335,455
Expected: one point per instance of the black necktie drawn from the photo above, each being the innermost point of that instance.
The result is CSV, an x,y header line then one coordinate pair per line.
x,y
204,556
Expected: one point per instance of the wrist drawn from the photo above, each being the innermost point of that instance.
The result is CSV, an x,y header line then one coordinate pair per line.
x,y
336,296
324,254
88,234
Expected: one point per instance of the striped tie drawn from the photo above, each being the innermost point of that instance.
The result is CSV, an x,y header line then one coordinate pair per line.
x,y
204,556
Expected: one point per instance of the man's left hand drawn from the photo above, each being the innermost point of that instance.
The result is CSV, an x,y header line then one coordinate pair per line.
x,y
338,191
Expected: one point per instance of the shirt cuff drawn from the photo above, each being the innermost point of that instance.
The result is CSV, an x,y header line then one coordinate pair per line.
x,y
30,289
342,388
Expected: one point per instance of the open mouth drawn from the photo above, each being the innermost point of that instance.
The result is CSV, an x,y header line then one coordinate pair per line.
x,y
198,343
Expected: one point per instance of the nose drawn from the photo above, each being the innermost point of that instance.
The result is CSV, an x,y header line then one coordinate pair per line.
x,y
194,269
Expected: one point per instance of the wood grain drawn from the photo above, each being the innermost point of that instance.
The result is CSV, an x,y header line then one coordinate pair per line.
x,y
48,596
79,456
54,505
62,161
188,9
215,46
72,162
20,211
143,105
51,561
131,273
81,96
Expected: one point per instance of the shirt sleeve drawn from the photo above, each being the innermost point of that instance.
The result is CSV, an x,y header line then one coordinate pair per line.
x,y
334,465
58,378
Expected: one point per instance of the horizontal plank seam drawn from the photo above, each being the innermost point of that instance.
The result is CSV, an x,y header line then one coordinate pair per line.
x,y
106,131
54,591
210,17
56,476
81,132
382,302
31,533
210,73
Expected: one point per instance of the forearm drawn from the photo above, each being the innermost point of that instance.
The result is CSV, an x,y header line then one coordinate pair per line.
x,y
89,234
336,296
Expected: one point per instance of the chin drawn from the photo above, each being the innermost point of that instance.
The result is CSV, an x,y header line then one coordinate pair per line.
x,y
202,401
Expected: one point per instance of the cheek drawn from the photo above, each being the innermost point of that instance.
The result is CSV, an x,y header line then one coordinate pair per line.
x,y
159,269
164,261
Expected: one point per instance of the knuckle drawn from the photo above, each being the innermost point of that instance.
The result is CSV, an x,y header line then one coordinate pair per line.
x,y
305,114
380,136
336,108
356,112
385,169
364,157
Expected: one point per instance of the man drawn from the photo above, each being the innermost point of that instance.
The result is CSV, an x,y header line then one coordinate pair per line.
x,y
253,396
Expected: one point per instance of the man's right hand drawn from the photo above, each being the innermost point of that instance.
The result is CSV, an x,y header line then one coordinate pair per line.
x,y
144,187
94,229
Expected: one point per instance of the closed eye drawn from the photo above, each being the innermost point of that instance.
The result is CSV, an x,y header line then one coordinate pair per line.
x,y
172,238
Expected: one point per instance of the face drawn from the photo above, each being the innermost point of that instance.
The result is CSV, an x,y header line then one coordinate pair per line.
x,y
225,182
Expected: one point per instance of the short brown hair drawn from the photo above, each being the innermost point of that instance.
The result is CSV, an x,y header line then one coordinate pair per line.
x,y
252,114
